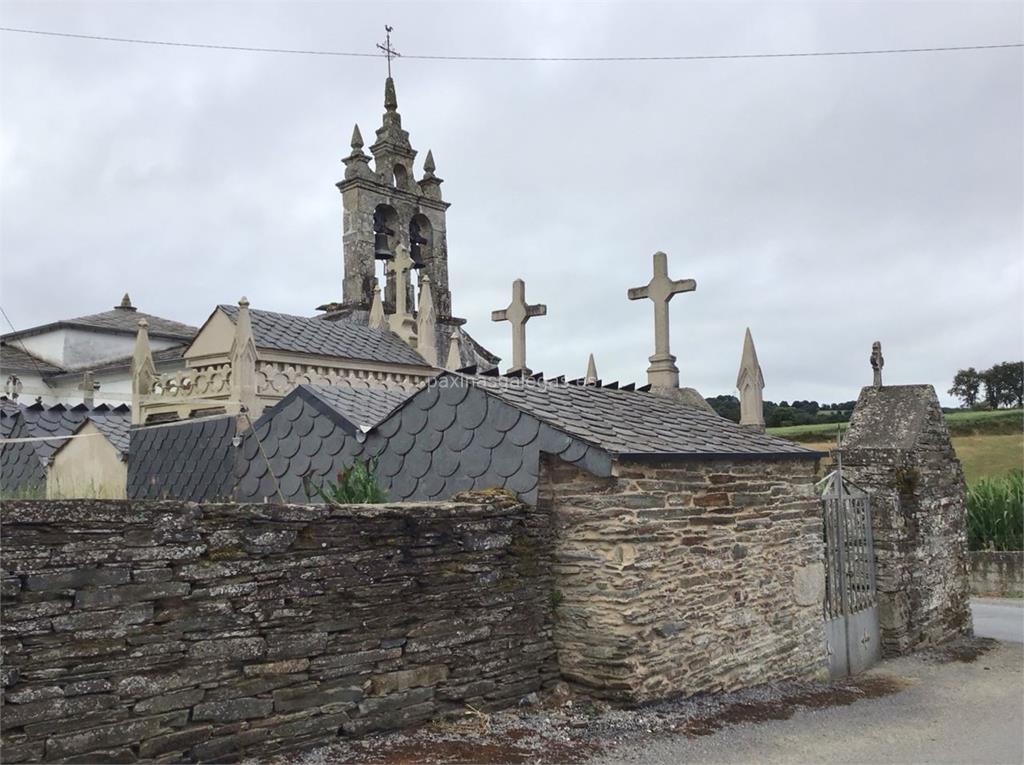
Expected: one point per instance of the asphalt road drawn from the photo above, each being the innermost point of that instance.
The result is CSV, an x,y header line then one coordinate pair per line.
x,y
999,618
947,712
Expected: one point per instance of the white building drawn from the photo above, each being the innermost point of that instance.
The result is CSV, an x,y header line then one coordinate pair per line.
x,y
59,362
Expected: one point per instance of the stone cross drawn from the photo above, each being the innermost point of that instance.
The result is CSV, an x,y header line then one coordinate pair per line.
x,y
89,386
517,314
401,321
663,372
877,362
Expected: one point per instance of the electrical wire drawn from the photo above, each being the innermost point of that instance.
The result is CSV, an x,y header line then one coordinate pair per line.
x,y
424,57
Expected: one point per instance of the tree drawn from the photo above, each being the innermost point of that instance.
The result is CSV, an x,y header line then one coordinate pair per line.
x,y
1004,384
967,386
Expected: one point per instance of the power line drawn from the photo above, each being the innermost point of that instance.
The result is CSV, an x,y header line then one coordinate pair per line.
x,y
351,54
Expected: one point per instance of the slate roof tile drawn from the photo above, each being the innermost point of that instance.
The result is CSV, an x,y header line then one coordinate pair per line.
x,y
342,339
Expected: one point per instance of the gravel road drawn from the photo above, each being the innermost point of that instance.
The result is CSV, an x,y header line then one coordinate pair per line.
x,y
955,712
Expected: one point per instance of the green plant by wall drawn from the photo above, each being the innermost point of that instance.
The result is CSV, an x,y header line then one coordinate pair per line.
x,y
355,485
995,513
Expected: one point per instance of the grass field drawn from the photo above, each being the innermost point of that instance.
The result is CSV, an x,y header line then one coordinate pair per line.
x,y
981,456
999,422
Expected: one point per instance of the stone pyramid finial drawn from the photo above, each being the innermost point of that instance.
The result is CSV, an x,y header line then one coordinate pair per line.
x,y
377,319
426,324
591,377
750,383
390,99
428,164
454,361
357,140
243,363
126,303
143,371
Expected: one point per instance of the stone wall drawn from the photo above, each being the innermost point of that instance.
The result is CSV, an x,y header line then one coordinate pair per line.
x,y
898,449
997,574
683,577
172,631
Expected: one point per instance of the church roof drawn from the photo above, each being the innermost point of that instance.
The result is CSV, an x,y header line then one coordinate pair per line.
x,y
343,339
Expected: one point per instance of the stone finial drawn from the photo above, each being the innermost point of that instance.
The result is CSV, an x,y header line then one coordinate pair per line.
x,y
126,304
750,383
357,164
663,373
591,377
877,362
401,321
517,314
357,140
428,164
426,324
390,99
454,361
243,365
377,320
430,184
143,371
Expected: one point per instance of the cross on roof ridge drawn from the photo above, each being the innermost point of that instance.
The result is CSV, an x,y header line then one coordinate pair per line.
x,y
663,372
517,314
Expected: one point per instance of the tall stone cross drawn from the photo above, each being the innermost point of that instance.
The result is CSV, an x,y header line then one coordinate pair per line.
x,y
517,314
89,386
663,372
402,322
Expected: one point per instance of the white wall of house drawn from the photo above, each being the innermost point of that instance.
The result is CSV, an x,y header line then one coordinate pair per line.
x,y
82,348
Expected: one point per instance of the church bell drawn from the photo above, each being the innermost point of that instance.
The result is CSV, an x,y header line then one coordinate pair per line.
x,y
381,251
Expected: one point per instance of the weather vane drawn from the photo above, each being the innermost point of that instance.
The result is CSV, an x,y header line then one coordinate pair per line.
x,y
386,47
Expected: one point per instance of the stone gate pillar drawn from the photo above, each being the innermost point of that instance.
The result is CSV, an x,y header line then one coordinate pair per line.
x,y
898,449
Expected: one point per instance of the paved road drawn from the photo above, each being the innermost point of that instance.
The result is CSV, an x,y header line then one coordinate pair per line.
x,y
952,712
999,618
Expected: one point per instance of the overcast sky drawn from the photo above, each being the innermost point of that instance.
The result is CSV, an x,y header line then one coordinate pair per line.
x,y
824,202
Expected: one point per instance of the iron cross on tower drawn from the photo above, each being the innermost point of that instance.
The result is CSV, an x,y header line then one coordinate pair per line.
x,y
386,47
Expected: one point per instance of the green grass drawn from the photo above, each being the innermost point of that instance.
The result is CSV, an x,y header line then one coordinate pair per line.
x,y
995,513
1000,421
989,456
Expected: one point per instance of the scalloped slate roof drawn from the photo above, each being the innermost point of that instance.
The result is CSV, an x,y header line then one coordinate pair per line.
x,y
363,407
23,464
192,461
343,339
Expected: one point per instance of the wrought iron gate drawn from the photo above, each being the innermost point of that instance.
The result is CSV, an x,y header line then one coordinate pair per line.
x,y
851,604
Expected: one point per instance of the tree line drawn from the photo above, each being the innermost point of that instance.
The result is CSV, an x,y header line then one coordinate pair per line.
x,y
785,413
999,386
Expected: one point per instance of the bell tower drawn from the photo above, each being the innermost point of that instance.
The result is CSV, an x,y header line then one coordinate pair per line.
x,y
386,206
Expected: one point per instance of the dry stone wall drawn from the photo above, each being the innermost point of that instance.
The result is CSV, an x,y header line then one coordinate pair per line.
x,y
179,632
682,577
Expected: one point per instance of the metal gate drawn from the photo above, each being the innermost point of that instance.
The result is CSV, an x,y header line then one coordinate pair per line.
x,y
851,604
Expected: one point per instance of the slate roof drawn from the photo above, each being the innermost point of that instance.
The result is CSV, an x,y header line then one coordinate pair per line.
x,y
342,339
13,358
119,320
363,407
192,461
463,432
25,463
623,422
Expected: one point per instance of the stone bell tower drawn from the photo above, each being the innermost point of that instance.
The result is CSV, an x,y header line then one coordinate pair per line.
x,y
386,206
